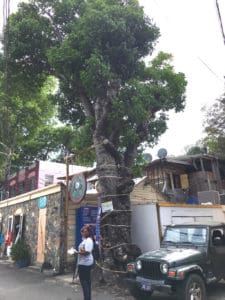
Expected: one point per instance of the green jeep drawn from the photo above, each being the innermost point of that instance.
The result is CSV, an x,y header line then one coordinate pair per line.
x,y
190,257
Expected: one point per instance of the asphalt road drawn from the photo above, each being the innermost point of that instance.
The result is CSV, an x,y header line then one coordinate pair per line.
x,y
29,284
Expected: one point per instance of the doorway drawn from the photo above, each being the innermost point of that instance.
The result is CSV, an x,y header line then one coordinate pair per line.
x,y
41,235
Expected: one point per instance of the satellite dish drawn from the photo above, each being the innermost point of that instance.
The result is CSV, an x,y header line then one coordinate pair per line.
x,y
148,157
162,153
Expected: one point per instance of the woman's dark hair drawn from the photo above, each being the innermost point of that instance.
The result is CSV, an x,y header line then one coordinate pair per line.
x,y
89,229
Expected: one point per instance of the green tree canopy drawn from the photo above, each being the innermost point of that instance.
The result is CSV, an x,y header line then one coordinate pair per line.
x,y
97,49
215,127
21,115
198,148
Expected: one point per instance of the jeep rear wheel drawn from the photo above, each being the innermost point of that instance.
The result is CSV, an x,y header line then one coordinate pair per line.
x,y
193,288
139,294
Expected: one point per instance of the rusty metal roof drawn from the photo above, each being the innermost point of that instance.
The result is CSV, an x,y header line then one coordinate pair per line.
x,y
185,160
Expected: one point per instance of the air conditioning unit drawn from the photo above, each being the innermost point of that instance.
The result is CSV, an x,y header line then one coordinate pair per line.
x,y
209,197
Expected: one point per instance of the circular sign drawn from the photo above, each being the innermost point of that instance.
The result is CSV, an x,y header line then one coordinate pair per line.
x,y
42,202
78,188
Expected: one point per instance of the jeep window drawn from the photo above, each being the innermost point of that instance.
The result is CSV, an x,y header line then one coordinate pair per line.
x,y
218,237
195,235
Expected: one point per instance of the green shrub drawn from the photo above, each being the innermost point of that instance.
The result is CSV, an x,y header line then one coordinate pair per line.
x,y
20,251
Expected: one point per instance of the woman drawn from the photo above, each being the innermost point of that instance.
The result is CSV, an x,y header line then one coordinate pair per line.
x,y
85,261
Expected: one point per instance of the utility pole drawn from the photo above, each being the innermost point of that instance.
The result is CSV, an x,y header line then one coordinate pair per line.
x,y
67,161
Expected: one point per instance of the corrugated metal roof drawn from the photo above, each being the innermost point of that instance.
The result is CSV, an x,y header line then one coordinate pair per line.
x,y
186,160
169,160
84,170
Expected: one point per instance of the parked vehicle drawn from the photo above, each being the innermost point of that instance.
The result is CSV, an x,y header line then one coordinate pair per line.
x,y
191,256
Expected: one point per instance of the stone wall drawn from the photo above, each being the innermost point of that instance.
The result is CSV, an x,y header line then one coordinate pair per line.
x,y
54,231
30,212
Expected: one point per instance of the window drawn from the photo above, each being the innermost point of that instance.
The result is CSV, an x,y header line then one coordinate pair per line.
x,y
173,181
49,179
31,184
90,186
12,191
195,235
21,187
18,227
218,237
176,180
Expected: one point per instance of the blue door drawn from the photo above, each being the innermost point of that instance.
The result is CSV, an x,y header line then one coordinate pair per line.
x,y
84,215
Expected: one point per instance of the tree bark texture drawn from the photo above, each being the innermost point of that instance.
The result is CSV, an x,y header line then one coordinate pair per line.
x,y
115,185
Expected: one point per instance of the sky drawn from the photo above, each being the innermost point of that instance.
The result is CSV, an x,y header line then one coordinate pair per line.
x,y
191,32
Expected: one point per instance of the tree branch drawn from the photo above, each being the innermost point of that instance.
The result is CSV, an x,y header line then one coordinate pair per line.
x,y
88,108
130,154
112,150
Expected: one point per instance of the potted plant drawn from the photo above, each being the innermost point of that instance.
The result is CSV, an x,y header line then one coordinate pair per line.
x,y
20,253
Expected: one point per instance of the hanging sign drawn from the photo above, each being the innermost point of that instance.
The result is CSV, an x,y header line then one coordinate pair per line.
x,y
78,187
107,206
42,202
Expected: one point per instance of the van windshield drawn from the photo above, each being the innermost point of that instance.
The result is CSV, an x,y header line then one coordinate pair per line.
x,y
176,235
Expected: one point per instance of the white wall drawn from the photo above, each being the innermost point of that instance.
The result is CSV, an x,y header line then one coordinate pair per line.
x,y
144,227
57,170
181,214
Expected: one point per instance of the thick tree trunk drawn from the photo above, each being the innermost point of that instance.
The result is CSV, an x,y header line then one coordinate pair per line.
x,y
115,185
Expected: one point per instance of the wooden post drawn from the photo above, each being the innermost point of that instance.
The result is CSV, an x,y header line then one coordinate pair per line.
x,y
66,209
67,160
159,222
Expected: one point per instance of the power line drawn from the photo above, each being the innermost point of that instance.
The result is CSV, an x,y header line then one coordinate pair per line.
x,y
193,52
205,64
220,20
